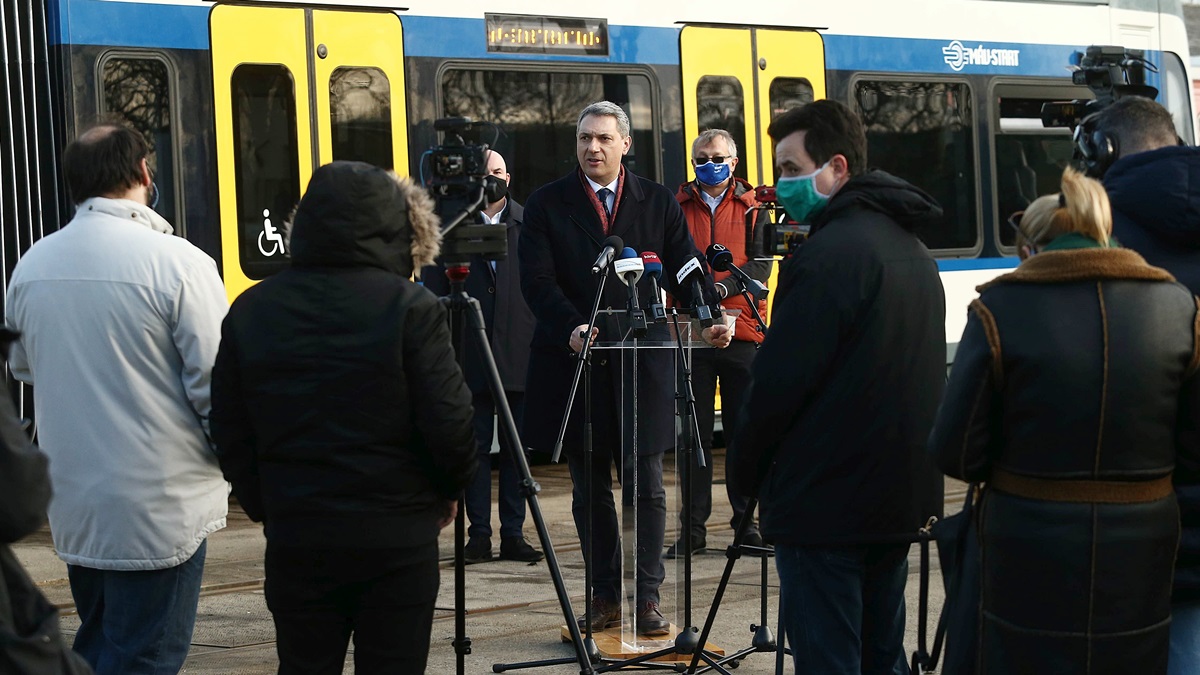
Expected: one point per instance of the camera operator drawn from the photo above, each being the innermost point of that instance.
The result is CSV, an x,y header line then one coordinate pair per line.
x,y
566,222
1155,199
843,395
342,419
497,287
715,206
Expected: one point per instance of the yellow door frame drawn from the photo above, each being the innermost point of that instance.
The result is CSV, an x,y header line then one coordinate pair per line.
x,y
311,44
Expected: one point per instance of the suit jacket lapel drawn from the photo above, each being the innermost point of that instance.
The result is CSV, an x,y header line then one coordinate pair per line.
x,y
579,209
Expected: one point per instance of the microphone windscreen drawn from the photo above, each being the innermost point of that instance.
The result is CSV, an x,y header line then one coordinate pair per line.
x,y
719,257
627,253
615,242
652,264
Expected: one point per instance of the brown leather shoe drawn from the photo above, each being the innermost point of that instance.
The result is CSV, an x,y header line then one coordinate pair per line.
x,y
605,613
650,621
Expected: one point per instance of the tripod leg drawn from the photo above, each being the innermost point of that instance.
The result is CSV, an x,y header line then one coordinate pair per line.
x,y
732,553
585,655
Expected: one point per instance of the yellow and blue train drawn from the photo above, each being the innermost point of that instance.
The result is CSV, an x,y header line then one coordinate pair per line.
x,y
241,100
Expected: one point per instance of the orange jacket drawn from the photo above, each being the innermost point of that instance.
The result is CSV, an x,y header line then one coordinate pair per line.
x,y
728,226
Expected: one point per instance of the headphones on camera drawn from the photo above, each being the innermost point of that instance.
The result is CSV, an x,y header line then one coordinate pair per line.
x,y
1096,149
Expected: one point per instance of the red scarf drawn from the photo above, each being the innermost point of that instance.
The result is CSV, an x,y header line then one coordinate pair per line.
x,y
606,221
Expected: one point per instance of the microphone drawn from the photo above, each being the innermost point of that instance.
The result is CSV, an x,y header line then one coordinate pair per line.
x,y
629,268
653,267
721,260
611,246
692,272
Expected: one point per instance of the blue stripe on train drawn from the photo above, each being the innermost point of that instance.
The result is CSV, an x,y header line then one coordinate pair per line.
x,y
129,24
967,264
170,26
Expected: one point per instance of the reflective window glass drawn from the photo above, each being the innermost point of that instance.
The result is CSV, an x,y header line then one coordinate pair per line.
x,y
267,164
1176,96
922,132
536,112
1030,158
787,93
138,91
360,110
720,104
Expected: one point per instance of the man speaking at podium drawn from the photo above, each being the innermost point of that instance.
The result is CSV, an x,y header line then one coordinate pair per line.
x,y
566,223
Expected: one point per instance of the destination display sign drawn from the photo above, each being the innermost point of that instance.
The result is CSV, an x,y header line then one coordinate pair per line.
x,y
522,34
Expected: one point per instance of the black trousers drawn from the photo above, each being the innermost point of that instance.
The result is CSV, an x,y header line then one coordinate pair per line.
x,y
383,597
732,367
605,545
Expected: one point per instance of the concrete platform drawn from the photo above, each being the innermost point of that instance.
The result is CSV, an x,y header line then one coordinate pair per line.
x,y
513,615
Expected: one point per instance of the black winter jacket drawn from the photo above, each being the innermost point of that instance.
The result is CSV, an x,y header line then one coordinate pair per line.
x,y
339,413
1156,211
847,382
1073,394
560,241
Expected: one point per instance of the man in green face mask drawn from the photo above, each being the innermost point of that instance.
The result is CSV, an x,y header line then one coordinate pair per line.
x,y
843,395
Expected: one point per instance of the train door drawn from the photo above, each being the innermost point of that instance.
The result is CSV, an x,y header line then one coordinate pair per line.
x,y
293,89
739,79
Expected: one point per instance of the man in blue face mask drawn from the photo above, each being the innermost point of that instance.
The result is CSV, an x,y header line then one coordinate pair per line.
x,y
843,395
715,206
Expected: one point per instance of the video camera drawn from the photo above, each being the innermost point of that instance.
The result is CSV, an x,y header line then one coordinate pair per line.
x,y
1110,73
461,187
783,235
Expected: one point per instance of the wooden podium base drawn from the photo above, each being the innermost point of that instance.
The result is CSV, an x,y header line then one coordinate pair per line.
x,y
609,643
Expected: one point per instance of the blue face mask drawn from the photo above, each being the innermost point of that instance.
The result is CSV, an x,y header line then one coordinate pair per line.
x,y
800,197
711,174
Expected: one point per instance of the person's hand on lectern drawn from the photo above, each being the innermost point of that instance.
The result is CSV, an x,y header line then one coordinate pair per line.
x,y
717,335
577,337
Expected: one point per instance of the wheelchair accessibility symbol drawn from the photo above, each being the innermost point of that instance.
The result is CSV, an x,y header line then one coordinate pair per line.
x,y
270,235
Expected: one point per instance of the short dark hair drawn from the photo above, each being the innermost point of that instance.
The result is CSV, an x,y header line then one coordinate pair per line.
x,y
834,129
106,158
1137,124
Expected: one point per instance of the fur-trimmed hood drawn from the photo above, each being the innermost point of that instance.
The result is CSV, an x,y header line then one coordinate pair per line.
x,y
1084,264
355,214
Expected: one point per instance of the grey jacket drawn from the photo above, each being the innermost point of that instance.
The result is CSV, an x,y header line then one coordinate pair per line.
x,y
120,323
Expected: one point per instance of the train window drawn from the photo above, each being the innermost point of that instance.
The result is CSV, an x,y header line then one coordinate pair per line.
x,y
1029,157
266,163
138,91
720,104
789,92
360,110
1176,96
922,132
536,112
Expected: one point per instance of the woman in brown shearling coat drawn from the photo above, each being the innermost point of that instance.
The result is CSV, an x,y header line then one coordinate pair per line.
x,y
1073,397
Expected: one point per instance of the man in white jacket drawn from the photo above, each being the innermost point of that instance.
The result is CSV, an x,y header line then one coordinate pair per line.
x,y
120,323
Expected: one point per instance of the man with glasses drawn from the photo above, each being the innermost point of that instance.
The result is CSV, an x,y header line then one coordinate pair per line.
x,y
715,205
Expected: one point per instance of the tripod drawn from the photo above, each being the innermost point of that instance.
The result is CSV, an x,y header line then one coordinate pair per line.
x,y
462,308
764,640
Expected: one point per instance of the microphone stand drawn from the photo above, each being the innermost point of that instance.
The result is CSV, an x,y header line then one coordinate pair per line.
x,y
750,300
686,642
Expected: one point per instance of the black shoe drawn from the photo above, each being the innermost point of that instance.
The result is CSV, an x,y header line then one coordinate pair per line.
x,y
516,548
650,621
754,539
477,550
676,549
605,613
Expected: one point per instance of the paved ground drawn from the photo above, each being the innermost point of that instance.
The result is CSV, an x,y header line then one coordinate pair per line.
x,y
512,611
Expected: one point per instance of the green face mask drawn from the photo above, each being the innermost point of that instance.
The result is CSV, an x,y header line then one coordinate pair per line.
x,y
800,197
